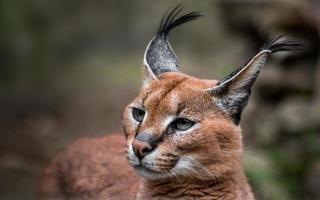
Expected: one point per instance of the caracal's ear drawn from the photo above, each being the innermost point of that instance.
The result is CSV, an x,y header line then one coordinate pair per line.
x,y
159,57
232,93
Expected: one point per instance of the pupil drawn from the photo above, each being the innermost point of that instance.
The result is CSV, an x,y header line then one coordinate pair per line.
x,y
183,122
138,114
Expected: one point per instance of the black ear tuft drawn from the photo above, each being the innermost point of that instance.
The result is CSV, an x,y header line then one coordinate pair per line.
x,y
159,56
279,44
170,21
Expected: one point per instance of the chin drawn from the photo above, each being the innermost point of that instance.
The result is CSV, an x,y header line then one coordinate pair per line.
x,y
150,174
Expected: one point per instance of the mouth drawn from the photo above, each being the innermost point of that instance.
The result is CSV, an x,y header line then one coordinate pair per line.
x,y
145,169
149,173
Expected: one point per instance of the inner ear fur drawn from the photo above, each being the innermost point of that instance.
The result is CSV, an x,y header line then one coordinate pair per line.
x,y
159,57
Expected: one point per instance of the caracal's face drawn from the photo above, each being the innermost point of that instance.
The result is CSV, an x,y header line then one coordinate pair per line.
x,y
174,129
183,127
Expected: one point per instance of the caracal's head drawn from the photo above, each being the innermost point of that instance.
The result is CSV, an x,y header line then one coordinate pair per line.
x,y
180,126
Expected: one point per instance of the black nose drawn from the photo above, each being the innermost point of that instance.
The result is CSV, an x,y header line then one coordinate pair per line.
x,y
143,144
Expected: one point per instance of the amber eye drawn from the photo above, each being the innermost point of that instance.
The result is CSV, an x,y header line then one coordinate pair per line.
x,y
138,114
182,124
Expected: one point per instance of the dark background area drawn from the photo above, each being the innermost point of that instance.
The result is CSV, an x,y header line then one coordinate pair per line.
x,y
68,68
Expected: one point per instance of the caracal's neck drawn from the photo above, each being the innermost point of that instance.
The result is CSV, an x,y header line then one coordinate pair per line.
x,y
232,186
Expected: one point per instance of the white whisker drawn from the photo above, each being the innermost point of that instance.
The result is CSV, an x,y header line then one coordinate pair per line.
x,y
189,167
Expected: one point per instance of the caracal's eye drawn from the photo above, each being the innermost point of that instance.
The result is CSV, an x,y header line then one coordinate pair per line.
x,y
138,114
182,124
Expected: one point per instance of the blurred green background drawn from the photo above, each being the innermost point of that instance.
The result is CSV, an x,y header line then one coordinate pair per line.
x,y
68,68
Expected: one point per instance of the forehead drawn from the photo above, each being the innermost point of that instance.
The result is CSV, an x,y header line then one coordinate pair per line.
x,y
172,90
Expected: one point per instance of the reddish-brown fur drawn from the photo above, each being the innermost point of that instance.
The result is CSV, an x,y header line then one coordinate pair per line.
x,y
90,169
98,169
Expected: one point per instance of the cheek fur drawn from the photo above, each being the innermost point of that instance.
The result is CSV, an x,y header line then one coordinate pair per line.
x,y
211,139
129,125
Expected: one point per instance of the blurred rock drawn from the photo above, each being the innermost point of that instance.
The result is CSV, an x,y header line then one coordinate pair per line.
x,y
295,115
312,182
277,82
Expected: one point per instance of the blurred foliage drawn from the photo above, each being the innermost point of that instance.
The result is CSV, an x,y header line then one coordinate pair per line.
x,y
64,63
45,42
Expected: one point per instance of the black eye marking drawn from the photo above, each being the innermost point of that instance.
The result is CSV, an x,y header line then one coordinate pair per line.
x,y
182,124
181,107
138,114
